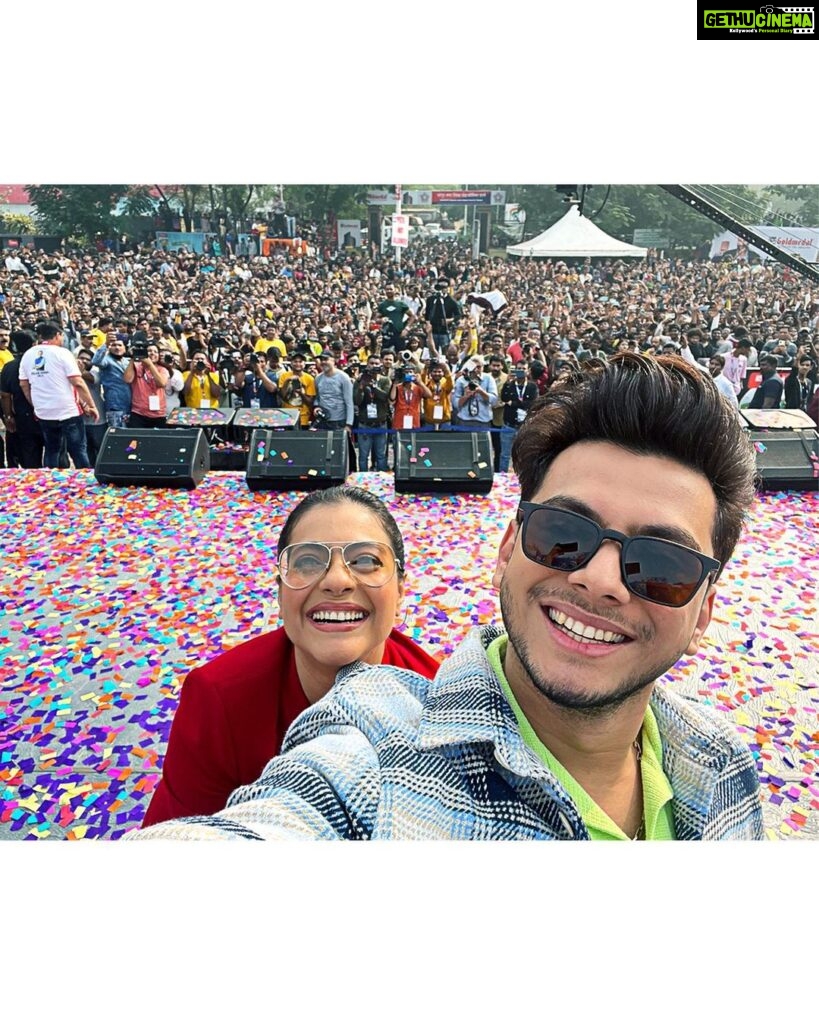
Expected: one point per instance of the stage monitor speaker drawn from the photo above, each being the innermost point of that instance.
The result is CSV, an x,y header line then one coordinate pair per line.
x,y
443,462
160,457
787,460
297,461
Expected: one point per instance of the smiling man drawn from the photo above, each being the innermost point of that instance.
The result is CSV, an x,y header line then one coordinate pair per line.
x,y
554,728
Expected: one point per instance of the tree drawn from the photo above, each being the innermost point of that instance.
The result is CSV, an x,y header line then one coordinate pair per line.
x,y
77,211
325,202
16,223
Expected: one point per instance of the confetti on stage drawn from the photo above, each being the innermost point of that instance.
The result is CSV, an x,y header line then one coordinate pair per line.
x,y
110,595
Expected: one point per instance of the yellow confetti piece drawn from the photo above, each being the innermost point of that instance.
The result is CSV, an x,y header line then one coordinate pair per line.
x,y
78,832
88,696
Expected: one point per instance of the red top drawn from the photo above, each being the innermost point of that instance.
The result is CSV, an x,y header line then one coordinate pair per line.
x,y
232,716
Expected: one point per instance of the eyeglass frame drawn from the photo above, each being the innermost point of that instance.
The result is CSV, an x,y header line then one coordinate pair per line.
x,y
330,548
711,567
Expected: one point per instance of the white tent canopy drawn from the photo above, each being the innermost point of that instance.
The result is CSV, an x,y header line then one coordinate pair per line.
x,y
575,236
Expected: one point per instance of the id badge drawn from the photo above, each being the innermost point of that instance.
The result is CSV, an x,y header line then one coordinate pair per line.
x,y
153,403
408,423
437,412
521,414
372,411
255,403
204,403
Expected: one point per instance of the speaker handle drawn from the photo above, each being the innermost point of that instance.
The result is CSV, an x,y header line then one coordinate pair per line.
x,y
475,452
328,449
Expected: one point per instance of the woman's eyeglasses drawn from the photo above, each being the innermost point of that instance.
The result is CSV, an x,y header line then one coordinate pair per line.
x,y
301,565
656,570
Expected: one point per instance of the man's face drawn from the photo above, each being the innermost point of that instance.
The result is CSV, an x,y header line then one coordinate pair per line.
x,y
4,339
495,368
597,480
715,366
298,365
153,353
84,361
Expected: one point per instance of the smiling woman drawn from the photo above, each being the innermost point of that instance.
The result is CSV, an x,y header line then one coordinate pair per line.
x,y
341,581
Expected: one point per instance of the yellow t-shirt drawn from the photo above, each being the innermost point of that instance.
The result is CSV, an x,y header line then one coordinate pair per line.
x,y
308,386
657,792
5,357
98,336
265,344
202,390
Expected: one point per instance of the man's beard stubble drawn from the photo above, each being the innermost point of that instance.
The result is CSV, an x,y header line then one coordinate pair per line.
x,y
588,705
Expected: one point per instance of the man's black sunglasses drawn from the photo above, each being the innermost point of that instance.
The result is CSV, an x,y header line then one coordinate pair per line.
x,y
659,571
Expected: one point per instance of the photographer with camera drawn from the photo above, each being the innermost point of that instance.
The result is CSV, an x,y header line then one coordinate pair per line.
x,y
147,380
257,388
442,313
202,389
475,396
297,389
436,411
176,381
406,394
371,397
112,361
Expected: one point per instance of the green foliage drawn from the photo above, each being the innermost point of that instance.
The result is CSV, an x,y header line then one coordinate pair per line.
x,y
16,223
793,204
76,211
321,202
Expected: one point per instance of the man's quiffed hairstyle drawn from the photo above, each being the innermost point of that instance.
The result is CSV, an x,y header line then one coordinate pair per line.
x,y
654,406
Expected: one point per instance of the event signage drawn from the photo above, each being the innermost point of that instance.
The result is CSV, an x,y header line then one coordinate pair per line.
x,y
432,197
478,197
802,242
764,22
651,238
400,229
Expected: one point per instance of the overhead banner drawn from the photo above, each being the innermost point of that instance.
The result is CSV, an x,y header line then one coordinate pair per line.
x,y
802,242
433,197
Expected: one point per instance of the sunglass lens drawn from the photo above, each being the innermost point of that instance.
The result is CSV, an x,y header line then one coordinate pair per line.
x,y
374,564
661,572
559,539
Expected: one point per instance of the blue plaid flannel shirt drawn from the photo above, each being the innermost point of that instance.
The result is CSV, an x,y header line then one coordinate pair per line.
x,y
390,755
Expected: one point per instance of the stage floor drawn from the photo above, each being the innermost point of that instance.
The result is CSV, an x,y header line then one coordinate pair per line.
x,y
110,595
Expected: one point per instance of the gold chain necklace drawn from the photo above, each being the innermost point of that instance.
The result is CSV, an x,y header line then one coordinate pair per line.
x,y
641,828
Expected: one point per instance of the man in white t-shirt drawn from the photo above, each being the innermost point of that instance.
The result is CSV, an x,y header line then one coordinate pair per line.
x,y
715,366
51,381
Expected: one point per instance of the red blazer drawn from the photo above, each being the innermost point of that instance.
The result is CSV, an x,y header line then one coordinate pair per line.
x,y
232,716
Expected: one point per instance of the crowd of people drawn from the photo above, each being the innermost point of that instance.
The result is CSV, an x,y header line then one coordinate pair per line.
x,y
368,343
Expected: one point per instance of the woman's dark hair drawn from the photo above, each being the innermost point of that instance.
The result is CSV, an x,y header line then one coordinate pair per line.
x,y
22,341
335,496
653,406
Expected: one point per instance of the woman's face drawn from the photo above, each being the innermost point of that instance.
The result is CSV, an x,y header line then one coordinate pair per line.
x,y
333,644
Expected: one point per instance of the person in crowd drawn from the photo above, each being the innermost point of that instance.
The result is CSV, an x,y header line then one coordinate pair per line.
x,y
24,435
95,427
736,364
371,397
406,395
258,389
442,313
176,382
334,393
297,390
518,395
52,383
554,727
800,383
202,388
716,364
341,573
147,379
436,410
396,317
769,393
474,396
500,376
112,361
